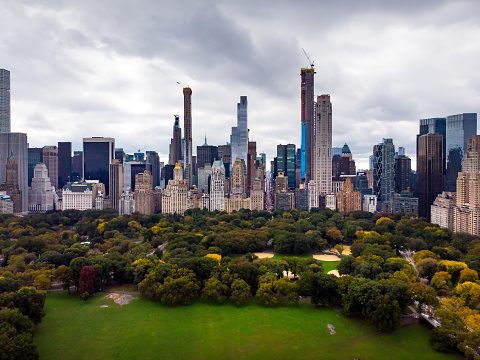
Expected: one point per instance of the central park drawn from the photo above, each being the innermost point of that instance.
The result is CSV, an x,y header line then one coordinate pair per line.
x,y
251,285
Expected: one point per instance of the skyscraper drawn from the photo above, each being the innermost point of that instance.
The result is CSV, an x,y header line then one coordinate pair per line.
x,y
98,153
307,122
323,145
50,159
11,184
64,163
116,183
384,174
217,187
176,143
403,168
239,137
153,159
460,128
41,196
143,194
187,125
206,154
16,144
435,126
430,171
4,100
286,163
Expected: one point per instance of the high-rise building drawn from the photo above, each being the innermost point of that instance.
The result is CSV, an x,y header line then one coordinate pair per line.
x,y
442,210
471,158
127,203
430,171
98,153
64,162
384,174
251,166
153,159
77,166
77,195
257,195
322,168
116,183
348,199
176,143
286,163
187,125
217,187
130,171
144,193
50,159
204,174
403,168
16,144
238,177
206,154
119,154
175,195
239,137
35,156
10,186
435,126
343,165
307,122
4,100
460,128
41,195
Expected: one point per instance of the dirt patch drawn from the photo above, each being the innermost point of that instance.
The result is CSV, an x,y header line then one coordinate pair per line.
x,y
346,250
326,257
103,305
264,255
120,299
331,328
334,272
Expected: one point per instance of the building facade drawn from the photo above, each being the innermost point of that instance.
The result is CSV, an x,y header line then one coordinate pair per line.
x,y
50,159
5,111
239,137
98,153
384,173
307,91
143,194
187,128
77,196
442,210
64,163
116,183
41,195
217,187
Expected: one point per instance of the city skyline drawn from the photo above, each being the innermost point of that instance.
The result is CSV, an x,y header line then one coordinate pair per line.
x,y
71,74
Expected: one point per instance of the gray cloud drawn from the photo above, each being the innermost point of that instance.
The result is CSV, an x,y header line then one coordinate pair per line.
x,y
110,68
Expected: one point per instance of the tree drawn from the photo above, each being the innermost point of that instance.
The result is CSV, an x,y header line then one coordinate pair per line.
x,y
77,265
215,290
425,295
179,288
240,291
87,280
65,275
468,275
441,282
27,300
16,336
339,248
321,287
42,281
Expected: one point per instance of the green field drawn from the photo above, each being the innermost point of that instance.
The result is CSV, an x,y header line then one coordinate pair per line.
x,y
73,329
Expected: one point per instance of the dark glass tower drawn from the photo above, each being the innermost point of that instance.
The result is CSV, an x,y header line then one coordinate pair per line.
x,y
4,100
64,163
98,153
430,171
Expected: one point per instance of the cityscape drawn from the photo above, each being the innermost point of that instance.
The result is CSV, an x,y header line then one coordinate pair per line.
x,y
233,176
239,180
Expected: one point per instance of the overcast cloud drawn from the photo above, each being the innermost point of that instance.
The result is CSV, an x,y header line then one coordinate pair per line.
x,y
110,68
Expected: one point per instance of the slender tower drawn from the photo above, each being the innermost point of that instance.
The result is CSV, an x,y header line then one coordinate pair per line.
x,y
308,122
322,168
4,100
187,125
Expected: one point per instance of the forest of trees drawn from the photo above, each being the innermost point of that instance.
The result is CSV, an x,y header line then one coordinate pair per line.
x,y
176,259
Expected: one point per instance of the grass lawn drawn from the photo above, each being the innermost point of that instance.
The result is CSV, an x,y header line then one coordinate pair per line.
x,y
73,329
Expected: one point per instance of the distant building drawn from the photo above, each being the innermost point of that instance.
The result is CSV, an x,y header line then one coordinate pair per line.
x,y
77,195
41,195
405,203
50,159
188,145
442,210
98,153
217,187
127,203
175,154
6,204
175,195
403,168
11,184
64,163
144,193
430,171
116,183
257,195
301,198
153,159
348,199
384,173
369,203
206,154
5,112
239,137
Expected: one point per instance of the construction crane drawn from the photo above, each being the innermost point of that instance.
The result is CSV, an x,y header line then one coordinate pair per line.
x,y
139,150
312,65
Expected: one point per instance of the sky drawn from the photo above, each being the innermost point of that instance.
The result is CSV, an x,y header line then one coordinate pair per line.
x,y
112,68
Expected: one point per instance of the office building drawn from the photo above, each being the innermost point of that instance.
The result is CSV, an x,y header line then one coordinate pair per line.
x,y
15,144
77,166
430,171
301,198
153,159
460,128
5,111
307,91
130,170
50,159
35,156
41,195
175,195
237,181
257,195
343,165
251,166
204,174
187,128
286,163
239,137
143,194
10,186
98,153
384,174
369,203
116,183
348,199
127,203
322,168
206,154
120,155
217,187
403,168
175,154
64,163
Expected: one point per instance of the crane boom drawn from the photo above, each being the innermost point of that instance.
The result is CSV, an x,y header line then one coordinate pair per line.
x,y
309,61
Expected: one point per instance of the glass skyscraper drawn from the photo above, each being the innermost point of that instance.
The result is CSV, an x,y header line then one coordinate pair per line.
x,y
4,100
239,137
98,153
459,128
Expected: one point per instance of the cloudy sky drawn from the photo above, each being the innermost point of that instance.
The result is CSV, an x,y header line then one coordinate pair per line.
x,y
110,68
